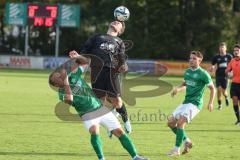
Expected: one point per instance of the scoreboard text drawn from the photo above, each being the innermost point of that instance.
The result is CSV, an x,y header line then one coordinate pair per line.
x,y
42,15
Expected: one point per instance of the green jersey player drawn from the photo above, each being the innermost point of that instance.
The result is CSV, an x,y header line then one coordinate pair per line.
x,y
75,91
195,81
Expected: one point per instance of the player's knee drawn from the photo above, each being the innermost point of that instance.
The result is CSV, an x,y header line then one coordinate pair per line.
x,y
94,129
225,93
180,125
118,132
181,122
219,90
171,124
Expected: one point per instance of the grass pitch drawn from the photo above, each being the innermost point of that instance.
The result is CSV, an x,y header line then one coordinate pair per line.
x,y
29,128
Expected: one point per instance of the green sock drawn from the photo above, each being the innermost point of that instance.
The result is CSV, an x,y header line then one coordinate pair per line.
x,y
175,132
97,145
128,145
180,135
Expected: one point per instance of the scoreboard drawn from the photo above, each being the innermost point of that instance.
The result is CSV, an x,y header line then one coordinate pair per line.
x,y
42,15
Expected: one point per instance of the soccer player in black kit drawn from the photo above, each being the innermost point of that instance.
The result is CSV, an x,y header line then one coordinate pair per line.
x,y
221,61
108,61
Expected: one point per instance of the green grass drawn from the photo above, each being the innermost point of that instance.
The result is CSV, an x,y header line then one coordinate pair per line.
x,y
29,128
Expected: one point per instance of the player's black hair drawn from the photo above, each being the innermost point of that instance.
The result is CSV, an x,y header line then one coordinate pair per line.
x,y
237,46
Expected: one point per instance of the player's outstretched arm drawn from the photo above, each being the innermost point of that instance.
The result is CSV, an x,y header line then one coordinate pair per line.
x,y
212,95
68,97
73,54
180,88
81,60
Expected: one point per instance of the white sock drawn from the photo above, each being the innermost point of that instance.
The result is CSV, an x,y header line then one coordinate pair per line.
x,y
187,140
176,148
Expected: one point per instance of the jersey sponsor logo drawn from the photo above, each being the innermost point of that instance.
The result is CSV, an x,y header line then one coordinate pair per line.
x,y
72,80
109,47
79,90
223,65
190,83
195,75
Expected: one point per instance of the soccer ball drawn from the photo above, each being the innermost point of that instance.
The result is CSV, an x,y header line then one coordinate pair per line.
x,y
121,13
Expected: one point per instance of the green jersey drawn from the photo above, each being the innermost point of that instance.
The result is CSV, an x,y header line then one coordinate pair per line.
x,y
84,100
196,81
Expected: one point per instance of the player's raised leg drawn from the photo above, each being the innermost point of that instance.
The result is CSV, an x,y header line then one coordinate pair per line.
x,y
180,134
121,109
172,124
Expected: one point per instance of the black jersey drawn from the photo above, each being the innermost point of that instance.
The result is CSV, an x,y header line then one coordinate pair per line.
x,y
222,62
109,49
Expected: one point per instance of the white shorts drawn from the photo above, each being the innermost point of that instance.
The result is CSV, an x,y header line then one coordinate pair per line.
x,y
188,111
108,120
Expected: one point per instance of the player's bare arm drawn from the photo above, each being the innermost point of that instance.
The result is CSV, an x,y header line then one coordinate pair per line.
x,y
180,88
73,54
212,68
81,60
212,95
123,68
227,71
68,97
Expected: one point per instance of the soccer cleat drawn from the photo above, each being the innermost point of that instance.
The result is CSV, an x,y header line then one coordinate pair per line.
x,y
137,157
227,102
174,153
102,159
187,146
128,127
237,123
220,107
109,134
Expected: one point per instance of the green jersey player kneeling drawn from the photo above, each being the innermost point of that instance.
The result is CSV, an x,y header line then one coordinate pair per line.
x,y
195,81
75,91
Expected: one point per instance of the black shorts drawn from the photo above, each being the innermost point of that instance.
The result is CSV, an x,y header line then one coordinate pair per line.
x,y
222,82
105,82
235,90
